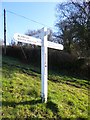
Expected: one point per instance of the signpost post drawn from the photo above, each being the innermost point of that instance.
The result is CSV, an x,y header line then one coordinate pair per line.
x,y
41,41
44,68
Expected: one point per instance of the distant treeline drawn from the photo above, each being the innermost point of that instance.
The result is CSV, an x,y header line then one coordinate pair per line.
x,y
58,61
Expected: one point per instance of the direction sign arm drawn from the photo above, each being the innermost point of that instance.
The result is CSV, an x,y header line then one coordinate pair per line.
x,y
27,39
55,45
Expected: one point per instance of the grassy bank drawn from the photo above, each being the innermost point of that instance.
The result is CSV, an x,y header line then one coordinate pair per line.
x,y
21,87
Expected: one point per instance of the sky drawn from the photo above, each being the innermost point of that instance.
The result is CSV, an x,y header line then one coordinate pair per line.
x,y
41,12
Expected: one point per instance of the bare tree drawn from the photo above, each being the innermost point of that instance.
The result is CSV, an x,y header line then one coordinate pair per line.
x,y
73,26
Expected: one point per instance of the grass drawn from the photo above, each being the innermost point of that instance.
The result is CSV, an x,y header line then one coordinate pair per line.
x,y
21,87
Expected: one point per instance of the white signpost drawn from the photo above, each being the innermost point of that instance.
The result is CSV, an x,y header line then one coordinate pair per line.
x,y
41,41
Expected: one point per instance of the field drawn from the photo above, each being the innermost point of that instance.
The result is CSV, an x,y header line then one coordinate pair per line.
x,y
21,87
